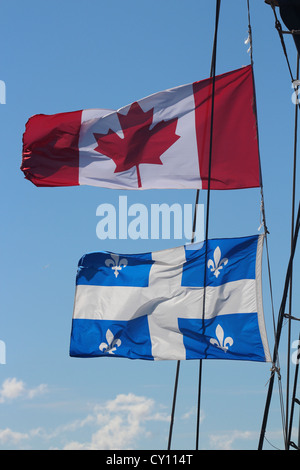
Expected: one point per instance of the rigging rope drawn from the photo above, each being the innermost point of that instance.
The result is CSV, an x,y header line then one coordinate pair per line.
x,y
291,281
212,75
263,212
278,26
285,420
276,365
294,400
279,326
280,32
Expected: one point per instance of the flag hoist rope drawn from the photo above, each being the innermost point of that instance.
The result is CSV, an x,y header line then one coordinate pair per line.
x,y
275,362
275,365
213,76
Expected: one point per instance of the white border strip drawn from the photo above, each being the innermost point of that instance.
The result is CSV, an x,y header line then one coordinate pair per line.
x,y
259,297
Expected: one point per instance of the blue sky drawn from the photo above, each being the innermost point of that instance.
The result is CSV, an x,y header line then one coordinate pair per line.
x,y
63,56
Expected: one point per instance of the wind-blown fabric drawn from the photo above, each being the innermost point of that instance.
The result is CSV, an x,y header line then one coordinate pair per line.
x,y
150,306
161,141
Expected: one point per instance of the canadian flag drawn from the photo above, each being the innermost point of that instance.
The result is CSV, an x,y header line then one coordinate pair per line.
x,y
161,141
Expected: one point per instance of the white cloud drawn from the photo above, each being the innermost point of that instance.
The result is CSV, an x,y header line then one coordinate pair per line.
x,y
7,436
13,388
117,424
226,441
120,423
192,413
39,390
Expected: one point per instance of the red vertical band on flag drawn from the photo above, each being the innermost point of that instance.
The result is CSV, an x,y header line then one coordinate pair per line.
x,y
235,153
50,149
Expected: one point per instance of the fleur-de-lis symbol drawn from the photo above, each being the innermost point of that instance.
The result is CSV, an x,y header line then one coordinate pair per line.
x,y
116,263
218,263
220,342
111,344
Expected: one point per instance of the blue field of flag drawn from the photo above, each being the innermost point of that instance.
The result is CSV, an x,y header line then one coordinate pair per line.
x,y
237,255
104,269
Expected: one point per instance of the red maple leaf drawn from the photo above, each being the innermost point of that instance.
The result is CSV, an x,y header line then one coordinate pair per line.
x,y
140,144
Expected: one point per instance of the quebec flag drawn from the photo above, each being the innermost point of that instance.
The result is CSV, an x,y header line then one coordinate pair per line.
x,y
150,305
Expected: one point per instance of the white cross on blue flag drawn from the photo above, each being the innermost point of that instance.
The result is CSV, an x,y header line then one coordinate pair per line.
x,y
150,305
